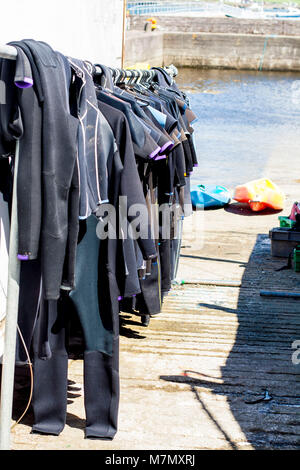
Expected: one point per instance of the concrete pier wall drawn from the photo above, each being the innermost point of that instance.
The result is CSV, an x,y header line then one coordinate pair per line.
x,y
145,48
214,50
234,51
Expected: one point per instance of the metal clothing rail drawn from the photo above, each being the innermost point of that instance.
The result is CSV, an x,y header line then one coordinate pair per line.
x,y
8,52
12,303
150,74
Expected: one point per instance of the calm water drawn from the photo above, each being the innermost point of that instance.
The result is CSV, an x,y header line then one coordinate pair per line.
x,y
244,118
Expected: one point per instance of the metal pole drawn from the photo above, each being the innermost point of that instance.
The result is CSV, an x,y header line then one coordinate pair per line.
x,y
209,282
267,293
8,361
123,33
8,52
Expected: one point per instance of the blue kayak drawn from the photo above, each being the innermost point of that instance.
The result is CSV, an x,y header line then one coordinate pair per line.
x,y
210,196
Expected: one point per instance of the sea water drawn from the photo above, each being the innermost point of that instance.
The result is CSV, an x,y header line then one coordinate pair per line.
x,y
243,119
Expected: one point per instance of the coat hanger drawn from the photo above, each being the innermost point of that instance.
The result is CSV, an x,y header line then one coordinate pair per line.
x,y
132,75
116,75
121,76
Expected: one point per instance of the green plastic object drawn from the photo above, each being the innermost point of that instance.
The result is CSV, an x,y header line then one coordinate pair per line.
x,y
297,259
286,222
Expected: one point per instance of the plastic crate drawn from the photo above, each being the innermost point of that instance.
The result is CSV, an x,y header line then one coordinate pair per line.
x,y
283,241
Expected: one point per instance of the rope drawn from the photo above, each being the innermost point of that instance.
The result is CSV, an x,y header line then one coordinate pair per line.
x,y
264,50
31,381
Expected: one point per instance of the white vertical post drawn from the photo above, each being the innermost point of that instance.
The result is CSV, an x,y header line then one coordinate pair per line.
x,y
8,361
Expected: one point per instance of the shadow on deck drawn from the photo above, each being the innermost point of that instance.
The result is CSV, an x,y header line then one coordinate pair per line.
x,y
259,379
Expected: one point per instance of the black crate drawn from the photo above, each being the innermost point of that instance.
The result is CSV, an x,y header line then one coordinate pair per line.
x,y
283,241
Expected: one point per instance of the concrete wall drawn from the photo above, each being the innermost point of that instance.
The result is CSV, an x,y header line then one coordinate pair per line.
x,y
234,51
220,25
86,29
144,48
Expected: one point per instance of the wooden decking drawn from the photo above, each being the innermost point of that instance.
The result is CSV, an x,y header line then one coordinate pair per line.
x,y
187,380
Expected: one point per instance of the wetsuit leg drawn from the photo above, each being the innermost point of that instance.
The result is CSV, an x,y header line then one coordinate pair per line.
x,y
101,393
50,365
95,300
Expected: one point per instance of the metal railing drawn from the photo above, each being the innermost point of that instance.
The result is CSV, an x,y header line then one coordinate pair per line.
x,y
152,7
232,8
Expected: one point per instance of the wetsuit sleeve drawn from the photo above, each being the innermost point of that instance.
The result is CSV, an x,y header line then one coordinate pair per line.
x,y
150,149
20,117
131,187
23,74
29,186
